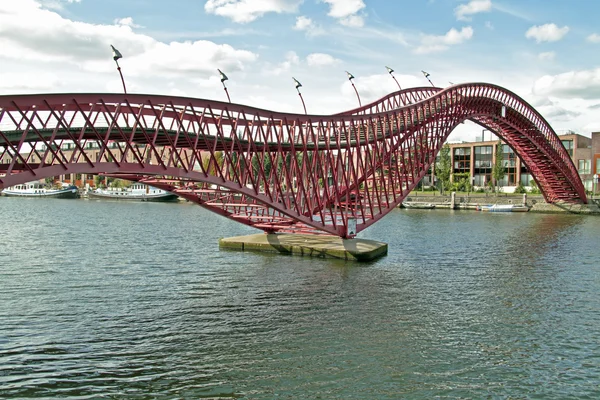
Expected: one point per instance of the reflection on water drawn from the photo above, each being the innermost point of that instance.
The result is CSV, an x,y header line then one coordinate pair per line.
x,y
135,301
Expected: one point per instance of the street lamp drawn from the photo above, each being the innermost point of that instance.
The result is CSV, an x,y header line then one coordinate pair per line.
x,y
391,72
116,55
223,79
427,75
350,77
298,86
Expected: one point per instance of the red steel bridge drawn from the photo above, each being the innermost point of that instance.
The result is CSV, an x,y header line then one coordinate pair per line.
x,y
279,172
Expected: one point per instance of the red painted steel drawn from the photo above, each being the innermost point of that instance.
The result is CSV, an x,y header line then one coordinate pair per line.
x,y
278,172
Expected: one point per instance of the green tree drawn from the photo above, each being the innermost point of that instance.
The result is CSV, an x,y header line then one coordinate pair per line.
x,y
212,165
443,168
255,164
462,182
498,170
119,183
520,189
534,187
99,181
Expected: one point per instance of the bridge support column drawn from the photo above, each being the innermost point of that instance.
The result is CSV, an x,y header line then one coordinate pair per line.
x,y
453,200
308,245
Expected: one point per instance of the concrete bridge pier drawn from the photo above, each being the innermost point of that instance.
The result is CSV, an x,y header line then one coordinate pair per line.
x,y
321,246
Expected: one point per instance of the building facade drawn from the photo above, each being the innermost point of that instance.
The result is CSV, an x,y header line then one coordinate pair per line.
x,y
477,159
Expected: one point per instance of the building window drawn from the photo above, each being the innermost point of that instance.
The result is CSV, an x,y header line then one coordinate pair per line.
x,y
462,159
509,162
598,166
585,166
526,179
483,157
569,146
481,180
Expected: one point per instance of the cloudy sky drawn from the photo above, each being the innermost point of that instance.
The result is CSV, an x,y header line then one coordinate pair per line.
x,y
547,51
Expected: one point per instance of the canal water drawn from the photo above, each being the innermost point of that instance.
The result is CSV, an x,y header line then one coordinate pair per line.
x,y
136,301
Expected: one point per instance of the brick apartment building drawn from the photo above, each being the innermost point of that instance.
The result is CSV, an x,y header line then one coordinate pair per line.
x,y
477,158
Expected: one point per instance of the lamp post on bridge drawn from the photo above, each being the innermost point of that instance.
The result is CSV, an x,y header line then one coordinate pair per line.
x,y
350,77
298,86
391,72
116,55
223,79
427,75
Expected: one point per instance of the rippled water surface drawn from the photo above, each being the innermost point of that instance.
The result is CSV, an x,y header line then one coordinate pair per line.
x,y
135,301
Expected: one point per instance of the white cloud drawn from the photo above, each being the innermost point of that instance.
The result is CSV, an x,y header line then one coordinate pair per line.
x,y
547,56
570,85
320,60
354,21
433,43
344,8
57,4
127,21
546,33
291,59
463,11
373,87
593,38
308,25
592,127
243,11
81,48
346,11
556,112
303,23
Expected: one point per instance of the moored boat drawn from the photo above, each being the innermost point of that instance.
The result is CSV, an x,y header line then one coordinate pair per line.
x,y
136,192
422,206
503,208
38,190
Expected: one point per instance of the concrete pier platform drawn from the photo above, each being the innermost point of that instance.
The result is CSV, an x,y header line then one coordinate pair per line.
x,y
308,245
586,209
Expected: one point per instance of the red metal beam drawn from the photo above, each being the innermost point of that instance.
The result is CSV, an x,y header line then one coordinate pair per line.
x,y
278,172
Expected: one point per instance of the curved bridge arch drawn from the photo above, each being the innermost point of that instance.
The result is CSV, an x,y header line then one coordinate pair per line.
x,y
278,172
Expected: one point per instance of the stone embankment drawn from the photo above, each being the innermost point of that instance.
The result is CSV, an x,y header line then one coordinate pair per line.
x,y
536,203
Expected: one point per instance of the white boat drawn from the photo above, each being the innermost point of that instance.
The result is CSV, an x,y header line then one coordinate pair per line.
x,y
419,205
503,208
37,189
135,192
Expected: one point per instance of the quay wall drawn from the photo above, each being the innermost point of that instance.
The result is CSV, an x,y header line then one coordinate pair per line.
x,y
472,201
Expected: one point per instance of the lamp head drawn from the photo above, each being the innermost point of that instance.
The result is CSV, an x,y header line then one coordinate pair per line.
x,y
223,76
389,70
350,76
298,84
116,53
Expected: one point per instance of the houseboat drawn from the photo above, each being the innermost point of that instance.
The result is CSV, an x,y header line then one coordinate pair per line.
x,y
135,192
38,189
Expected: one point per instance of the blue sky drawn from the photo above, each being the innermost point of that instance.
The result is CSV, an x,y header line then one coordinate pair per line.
x,y
547,51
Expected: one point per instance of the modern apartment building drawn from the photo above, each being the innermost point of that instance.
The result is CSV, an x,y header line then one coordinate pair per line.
x,y
477,158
